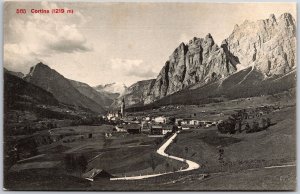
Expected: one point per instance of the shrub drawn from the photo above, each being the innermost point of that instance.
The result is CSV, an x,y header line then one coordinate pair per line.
x,y
227,126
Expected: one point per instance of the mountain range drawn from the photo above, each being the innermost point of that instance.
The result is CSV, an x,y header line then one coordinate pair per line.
x,y
62,88
102,98
251,61
114,88
257,58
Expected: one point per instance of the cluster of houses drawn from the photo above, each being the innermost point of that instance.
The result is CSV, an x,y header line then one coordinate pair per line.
x,y
159,125
113,116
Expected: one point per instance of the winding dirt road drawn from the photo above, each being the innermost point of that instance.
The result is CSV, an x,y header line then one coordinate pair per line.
x,y
161,151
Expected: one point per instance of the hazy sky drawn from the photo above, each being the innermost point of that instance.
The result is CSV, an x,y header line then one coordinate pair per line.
x,y
117,42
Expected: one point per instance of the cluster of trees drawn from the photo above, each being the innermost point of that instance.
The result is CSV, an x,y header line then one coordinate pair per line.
x,y
239,123
88,121
50,114
75,163
19,149
28,128
227,126
258,126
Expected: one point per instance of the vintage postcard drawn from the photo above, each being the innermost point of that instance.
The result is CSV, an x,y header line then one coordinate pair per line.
x,y
103,96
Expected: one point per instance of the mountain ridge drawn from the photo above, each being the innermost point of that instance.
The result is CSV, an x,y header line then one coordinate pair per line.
x,y
111,88
62,88
268,46
88,91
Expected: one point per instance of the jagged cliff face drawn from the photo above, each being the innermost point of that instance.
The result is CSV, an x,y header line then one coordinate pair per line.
x,y
200,60
136,93
269,45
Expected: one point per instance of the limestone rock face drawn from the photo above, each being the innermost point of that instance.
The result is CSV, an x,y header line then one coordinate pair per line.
x,y
200,60
269,45
135,94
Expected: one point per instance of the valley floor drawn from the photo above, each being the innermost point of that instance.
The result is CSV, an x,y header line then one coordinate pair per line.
x,y
263,160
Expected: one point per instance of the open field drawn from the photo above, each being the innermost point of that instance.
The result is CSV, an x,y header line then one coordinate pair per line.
x,y
244,166
241,151
120,154
247,158
251,179
221,110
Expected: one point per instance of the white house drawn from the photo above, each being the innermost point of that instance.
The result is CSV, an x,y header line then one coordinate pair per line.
x,y
113,115
187,121
160,119
120,128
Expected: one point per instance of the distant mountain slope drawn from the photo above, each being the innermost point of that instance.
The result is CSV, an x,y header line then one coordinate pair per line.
x,y
136,93
112,88
88,91
249,82
266,49
62,89
18,90
18,74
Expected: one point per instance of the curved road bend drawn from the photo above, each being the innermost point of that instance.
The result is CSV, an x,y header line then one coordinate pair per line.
x,y
161,151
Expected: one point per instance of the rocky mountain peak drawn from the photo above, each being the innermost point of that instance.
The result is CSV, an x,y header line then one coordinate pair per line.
x,y
268,44
272,18
41,65
62,89
235,27
287,21
39,68
286,16
208,36
201,60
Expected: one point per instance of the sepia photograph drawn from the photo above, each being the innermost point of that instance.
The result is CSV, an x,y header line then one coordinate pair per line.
x,y
149,96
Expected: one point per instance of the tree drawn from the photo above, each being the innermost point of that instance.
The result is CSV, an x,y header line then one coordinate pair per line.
x,y
238,126
167,165
255,126
82,163
175,140
268,122
75,163
186,149
221,154
152,162
69,163
227,126
247,128
172,120
264,123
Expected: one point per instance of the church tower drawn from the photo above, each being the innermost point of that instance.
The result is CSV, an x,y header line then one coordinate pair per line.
x,y
123,108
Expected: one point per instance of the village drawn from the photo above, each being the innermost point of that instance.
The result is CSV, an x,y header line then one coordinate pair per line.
x,y
153,125
241,120
107,151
